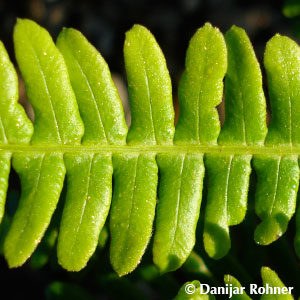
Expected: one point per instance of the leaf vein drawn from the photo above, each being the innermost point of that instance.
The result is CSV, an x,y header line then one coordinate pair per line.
x,y
178,203
47,91
84,205
93,96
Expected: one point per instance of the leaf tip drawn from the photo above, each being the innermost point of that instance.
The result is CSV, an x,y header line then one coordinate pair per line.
x,y
71,267
25,22
121,273
208,25
227,278
137,30
270,230
265,271
236,29
13,261
216,241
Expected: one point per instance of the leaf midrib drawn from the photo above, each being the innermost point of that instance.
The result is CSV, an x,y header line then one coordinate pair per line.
x,y
32,204
92,94
148,92
178,205
44,79
83,209
183,148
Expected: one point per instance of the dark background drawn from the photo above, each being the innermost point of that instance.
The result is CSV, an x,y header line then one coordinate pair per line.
x,y
173,23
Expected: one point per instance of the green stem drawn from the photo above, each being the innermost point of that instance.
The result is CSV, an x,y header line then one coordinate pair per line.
x,y
254,150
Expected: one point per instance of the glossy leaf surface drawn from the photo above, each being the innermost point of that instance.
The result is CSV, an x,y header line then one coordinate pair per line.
x,y
245,124
5,158
86,208
245,105
73,82
133,209
56,113
48,87
271,278
282,60
36,205
228,180
276,193
150,90
178,208
278,177
15,125
234,283
206,63
90,174
98,99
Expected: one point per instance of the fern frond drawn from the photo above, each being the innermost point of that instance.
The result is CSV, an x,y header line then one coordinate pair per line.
x,y
80,131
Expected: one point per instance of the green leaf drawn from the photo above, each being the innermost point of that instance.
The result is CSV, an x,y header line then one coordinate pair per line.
x,y
282,59
180,189
234,283
48,87
245,124
270,277
228,181
206,63
278,176
15,127
149,88
57,121
4,226
133,209
89,174
182,174
86,208
275,198
73,83
98,99
39,174
245,105
152,123
5,158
